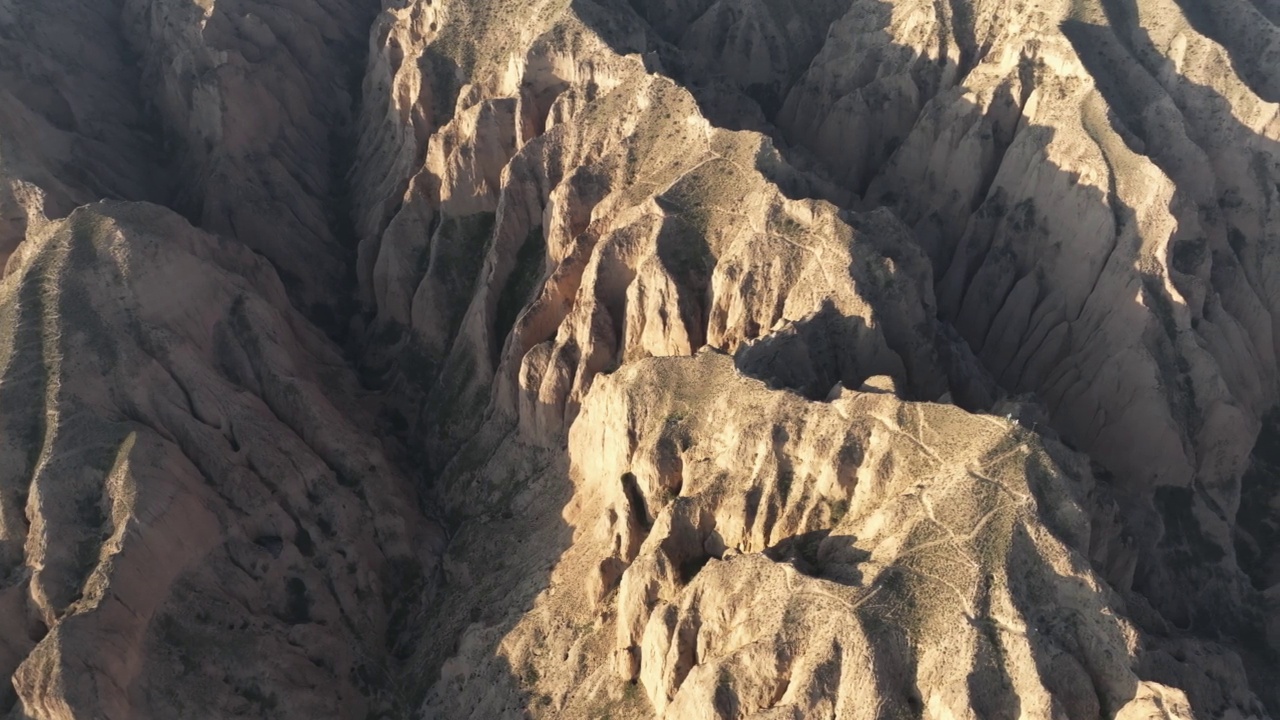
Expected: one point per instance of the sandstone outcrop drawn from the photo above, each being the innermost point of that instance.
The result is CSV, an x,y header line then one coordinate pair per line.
x,y
193,519
1061,251
957,543
1113,257
72,125
256,100
750,358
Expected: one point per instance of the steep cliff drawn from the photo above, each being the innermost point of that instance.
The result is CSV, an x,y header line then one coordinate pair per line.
x,y
1077,265
195,521
700,358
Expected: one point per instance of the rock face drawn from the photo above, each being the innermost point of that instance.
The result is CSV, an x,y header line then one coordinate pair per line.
x,y
255,99
748,359
883,557
74,129
194,521
1113,257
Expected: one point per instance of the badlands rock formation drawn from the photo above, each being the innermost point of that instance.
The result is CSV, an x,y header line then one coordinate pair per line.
x,y
194,520
639,359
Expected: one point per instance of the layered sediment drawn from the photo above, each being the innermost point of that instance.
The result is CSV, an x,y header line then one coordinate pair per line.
x,y
699,358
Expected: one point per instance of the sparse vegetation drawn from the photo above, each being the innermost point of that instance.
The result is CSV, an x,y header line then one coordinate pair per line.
x,y
838,509
697,506
785,476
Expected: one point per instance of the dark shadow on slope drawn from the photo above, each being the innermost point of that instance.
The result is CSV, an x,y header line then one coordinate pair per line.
x,y
893,655
817,354
826,351
501,555
987,289
727,96
75,81
1245,36
971,385
271,175
1185,555
990,687
1063,664
822,555
728,102
1257,539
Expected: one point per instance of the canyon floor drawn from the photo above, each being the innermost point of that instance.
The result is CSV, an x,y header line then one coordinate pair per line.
x,y
632,359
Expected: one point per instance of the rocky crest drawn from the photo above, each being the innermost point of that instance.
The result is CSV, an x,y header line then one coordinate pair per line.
x,y
635,359
188,485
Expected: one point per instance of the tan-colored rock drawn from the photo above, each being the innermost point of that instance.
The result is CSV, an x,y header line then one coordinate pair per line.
x,y
193,518
256,99
766,359
1094,236
824,559
999,137
72,124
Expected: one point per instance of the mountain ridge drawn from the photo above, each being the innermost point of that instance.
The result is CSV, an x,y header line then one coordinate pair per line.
x,y
556,300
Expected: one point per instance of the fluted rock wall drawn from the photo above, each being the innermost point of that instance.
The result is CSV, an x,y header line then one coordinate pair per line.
x,y
194,520
1099,264
762,359
1076,264
257,100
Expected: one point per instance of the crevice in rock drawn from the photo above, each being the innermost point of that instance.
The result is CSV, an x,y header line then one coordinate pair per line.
x,y
1257,533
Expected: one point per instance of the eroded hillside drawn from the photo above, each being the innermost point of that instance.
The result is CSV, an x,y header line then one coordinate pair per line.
x,y
670,358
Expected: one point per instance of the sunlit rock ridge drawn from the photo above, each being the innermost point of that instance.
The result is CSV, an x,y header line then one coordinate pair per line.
x,y
639,359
